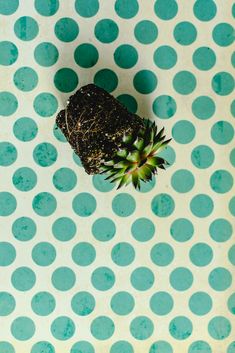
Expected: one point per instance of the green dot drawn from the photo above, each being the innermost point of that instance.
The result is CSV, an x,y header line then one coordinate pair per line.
x,y
106,79
141,327
122,303
42,346
8,103
143,229
166,9
222,132
203,107
63,328
165,57
45,154
24,228
106,30
182,229
63,279
58,134
168,153
66,29
103,278
204,10
25,129
24,179
84,204
145,81
146,187
220,230
102,328
25,79
7,254
204,58
64,229
26,28
6,347
222,83
46,7
23,328
83,254
66,80
8,203
202,157
219,327
231,347
164,107
87,8
101,184
161,303
185,33
43,254
103,229
43,303
181,279
8,153
180,328
76,159
83,303
162,205
201,254
232,157
129,102
64,179
161,347
46,54
44,204
8,53
162,254
23,279
199,347
82,347
146,32
86,55
221,181
7,304
231,303
142,278
182,181
45,104
231,255
123,205
201,205
125,56
232,108
121,347
183,131
123,254
232,206
223,34
184,82
8,7
220,279
126,8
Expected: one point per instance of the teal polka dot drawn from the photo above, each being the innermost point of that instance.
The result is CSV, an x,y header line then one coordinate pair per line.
x,y
123,254
8,203
142,278
103,278
146,187
126,8
203,107
66,80
182,229
45,154
129,102
102,328
43,254
24,228
82,347
123,205
46,7
164,107
42,346
162,205
24,179
222,83
64,229
199,347
168,153
231,206
87,8
83,303
232,108
7,254
26,28
231,255
63,278
204,58
43,303
146,32
223,34
161,347
180,328
222,132
202,156
66,29
166,9
221,181
101,184
8,7
25,79
84,204
45,104
204,10
121,347
161,303
7,304
182,180
64,179
6,347
201,205
231,347
231,303
8,53
232,157
8,153
220,279
58,134
219,327
46,54
23,279
103,229
23,328
141,328
185,33
184,82
220,230
201,254
106,79
63,328
44,204
122,303
106,30
233,59
83,254
145,81
142,229
181,278
165,57
8,103
25,129
125,56
162,254
86,55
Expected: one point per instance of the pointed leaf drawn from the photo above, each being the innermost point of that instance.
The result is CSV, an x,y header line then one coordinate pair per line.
x,y
163,145
122,153
148,149
159,135
122,164
124,181
133,156
139,143
127,138
155,161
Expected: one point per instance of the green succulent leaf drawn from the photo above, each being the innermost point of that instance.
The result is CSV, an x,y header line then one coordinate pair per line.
x,y
133,156
127,138
139,143
122,153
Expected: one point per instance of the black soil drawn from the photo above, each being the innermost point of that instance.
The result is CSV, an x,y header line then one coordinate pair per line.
x,y
94,123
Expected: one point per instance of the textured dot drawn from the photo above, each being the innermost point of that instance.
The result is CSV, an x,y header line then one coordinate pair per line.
x,y
121,347
7,304
145,81
64,179
25,79
164,107
182,229
166,9
223,34
185,33
219,327
222,132
106,79
182,180
45,104
43,254
44,204
43,303
66,80
161,347
122,303
199,347
45,154
165,57
87,8
161,303
232,108
181,278
220,230
201,205
126,8
66,29
143,229
25,129
23,279
146,32
102,328
26,28
141,327
24,228
146,187
8,203
63,328
63,278
8,103
180,328
101,184
162,254
162,205
220,279
23,328
231,303
203,107
84,204
82,347
58,134
200,303
42,346
142,278
123,205
201,254
232,157
46,7
168,153
24,179
204,10
123,254
83,303
202,157
125,56
184,82
8,7
103,229
6,347
8,153
129,102
204,58
231,255
8,53
222,83
46,54
106,30
86,55
64,229
221,181
103,278
83,254
231,206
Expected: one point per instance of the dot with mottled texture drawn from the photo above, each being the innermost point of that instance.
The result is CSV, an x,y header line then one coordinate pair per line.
x,y
103,278
25,79
146,32
83,254
232,157
45,104
182,181
26,28
184,82
43,303
63,278
231,254
45,154
142,278
223,34
141,328
66,29
221,181
63,328
121,346
161,347
199,347
106,30
7,304
123,205
145,81
8,7
162,254
86,55
205,10
44,204
24,179
106,79
24,228
42,346
83,347
66,80
164,107
202,156
122,303
204,58
201,205
8,53
146,187
222,132
5,346
161,303
99,182
220,279
181,278
182,229
231,303
102,328
23,278
203,107
64,229
64,179
46,54
87,8
43,254
23,328
166,9
8,153
8,103
126,8
25,129
83,303
219,327
103,229
165,57
185,33
58,134
123,254
46,7
231,206
220,230
222,83
168,153
8,203
142,229
201,254
125,56
162,205
84,204
129,102
7,254
180,328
